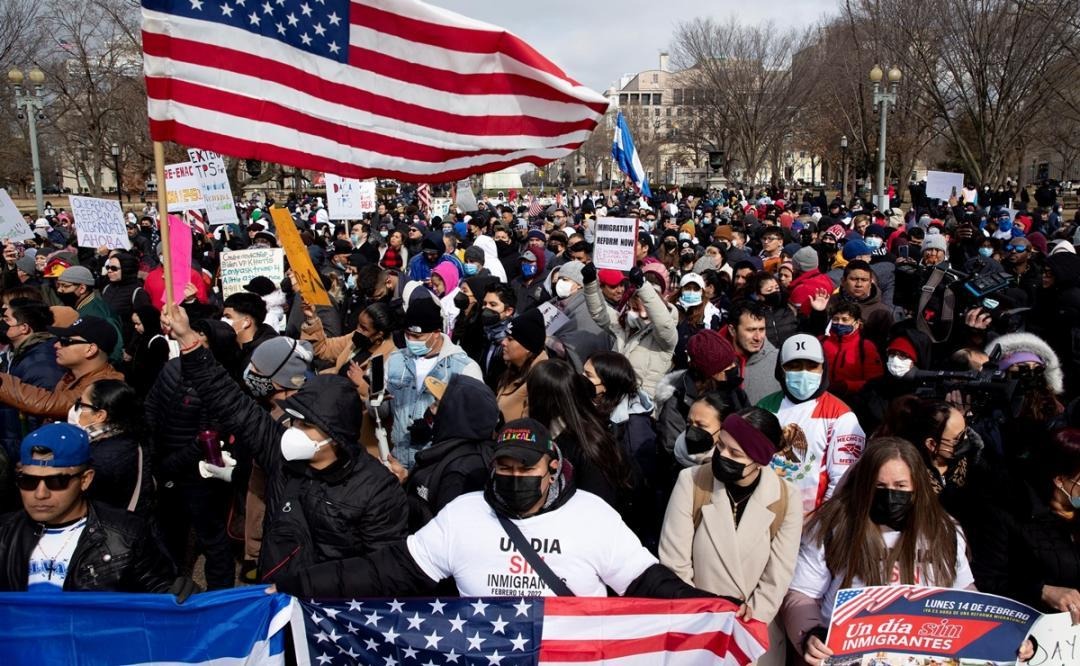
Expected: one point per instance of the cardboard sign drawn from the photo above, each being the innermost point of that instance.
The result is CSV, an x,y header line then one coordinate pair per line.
x,y
944,184
179,256
554,318
12,224
239,266
99,223
182,188
616,242
466,200
349,198
305,278
1057,641
901,624
440,207
214,183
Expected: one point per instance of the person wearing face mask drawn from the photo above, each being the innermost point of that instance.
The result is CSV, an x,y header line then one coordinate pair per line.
x,y
695,314
1033,364
428,352
1025,547
523,347
781,321
245,312
884,526
75,287
822,437
529,284
853,360
123,293
908,350
529,492
491,260
432,252
444,284
499,305
469,329
32,360
732,527
326,499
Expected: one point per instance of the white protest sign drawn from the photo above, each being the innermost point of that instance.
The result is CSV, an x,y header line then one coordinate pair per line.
x,y
12,224
440,207
349,198
1057,641
616,241
182,188
214,183
99,223
554,318
239,266
944,184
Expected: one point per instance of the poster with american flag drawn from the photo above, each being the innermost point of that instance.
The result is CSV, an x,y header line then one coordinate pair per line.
x,y
360,88
519,631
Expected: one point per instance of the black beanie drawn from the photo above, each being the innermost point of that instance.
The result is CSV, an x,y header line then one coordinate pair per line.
x,y
528,330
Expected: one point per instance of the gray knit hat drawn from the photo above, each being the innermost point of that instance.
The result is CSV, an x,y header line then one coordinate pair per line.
x,y
805,259
932,242
284,360
571,270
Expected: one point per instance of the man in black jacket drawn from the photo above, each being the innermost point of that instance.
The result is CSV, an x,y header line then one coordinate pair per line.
x,y
480,538
62,541
326,499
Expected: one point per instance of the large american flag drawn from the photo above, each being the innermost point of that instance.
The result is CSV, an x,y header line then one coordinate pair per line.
x,y
519,631
360,88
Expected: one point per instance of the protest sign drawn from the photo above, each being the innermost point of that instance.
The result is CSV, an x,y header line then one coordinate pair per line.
x,y
182,187
99,223
179,256
1054,641
440,207
466,200
305,278
349,198
12,224
554,318
944,184
214,183
616,241
239,266
898,625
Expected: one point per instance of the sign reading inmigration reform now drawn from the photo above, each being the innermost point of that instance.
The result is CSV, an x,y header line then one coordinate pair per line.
x,y
616,240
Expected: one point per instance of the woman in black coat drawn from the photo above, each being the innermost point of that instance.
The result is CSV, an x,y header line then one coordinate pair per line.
x,y
123,291
149,349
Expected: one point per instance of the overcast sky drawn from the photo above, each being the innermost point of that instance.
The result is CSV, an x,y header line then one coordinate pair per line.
x,y
596,41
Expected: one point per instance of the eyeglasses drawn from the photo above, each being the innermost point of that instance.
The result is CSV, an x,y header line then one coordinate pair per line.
x,y
79,405
111,268
54,482
67,342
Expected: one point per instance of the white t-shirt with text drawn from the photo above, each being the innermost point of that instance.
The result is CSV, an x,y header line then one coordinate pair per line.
x,y
51,557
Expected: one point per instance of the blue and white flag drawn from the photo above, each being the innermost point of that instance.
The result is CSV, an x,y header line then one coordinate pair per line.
x,y
625,154
225,628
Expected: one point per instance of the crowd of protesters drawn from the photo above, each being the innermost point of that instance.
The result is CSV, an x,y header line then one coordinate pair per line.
x,y
783,397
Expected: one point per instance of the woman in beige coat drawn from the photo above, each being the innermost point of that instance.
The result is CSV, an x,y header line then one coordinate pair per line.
x,y
522,349
732,526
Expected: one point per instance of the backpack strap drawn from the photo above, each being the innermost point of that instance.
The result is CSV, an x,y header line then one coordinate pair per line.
x,y
779,509
557,585
948,306
703,488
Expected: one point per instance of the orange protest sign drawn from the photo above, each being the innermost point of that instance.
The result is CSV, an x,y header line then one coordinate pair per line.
x,y
306,279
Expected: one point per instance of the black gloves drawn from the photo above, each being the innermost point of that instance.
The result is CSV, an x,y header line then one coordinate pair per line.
x,y
637,277
588,273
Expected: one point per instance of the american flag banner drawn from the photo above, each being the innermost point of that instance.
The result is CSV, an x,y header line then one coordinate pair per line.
x,y
851,602
535,207
518,631
360,88
423,198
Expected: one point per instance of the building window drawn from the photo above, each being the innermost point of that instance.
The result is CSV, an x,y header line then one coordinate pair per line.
x,y
657,110
656,99
669,111
622,99
655,78
678,96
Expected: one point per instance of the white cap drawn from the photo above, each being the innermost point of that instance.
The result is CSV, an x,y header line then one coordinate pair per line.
x,y
801,346
692,278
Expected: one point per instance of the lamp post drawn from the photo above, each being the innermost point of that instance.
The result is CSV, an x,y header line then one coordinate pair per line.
x,y
116,170
32,103
883,97
843,162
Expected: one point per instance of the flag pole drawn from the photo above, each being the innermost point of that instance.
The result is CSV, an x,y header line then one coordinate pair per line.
x,y
163,220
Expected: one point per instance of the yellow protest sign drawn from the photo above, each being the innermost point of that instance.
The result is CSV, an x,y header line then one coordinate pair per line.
x,y
306,279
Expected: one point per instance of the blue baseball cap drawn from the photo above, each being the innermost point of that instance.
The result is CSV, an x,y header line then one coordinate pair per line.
x,y
70,446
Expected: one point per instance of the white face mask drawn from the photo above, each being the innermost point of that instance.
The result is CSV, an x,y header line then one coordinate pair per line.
x,y
898,367
562,288
296,445
73,416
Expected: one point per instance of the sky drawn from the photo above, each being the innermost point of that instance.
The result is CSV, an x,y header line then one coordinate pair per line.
x,y
596,41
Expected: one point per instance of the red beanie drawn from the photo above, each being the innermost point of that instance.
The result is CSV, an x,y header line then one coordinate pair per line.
x,y
710,353
902,344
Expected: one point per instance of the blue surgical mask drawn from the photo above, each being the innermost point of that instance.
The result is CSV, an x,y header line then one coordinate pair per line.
x,y
1005,224
689,299
872,242
842,329
1074,501
471,269
986,252
384,233
802,383
528,270
350,281
417,347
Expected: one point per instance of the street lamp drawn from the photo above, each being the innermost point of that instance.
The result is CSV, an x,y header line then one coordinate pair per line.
x,y
843,162
32,102
116,170
882,100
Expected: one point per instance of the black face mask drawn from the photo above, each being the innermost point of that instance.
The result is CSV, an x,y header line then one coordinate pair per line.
x,y
69,298
1029,378
698,440
961,447
517,493
4,339
360,341
489,317
891,507
726,470
732,380
772,300
461,301
670,243
431,259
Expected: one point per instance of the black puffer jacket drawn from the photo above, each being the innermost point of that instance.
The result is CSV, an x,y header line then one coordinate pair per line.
x,y
125,296
115,553
349,509
175,413
121,473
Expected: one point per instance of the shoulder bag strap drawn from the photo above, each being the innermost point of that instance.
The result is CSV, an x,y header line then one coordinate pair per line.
x,y
529,553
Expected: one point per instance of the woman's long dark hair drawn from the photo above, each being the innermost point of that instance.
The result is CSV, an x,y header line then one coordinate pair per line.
x,y
618,377
122,404
854,547
556,391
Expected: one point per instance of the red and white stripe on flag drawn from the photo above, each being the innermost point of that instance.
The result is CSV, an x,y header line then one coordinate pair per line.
x,y
423,196
632,632
535,207
359,88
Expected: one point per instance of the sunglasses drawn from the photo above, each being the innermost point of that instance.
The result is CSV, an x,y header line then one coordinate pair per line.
x,y
112,269
55,482
1016,248
80,405
67,342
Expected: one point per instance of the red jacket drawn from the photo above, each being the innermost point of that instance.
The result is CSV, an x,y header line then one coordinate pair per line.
x,y
155,286
849,366
804,286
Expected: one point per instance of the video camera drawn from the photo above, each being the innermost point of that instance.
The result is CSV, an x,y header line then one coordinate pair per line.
x,y
948,292
980,387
